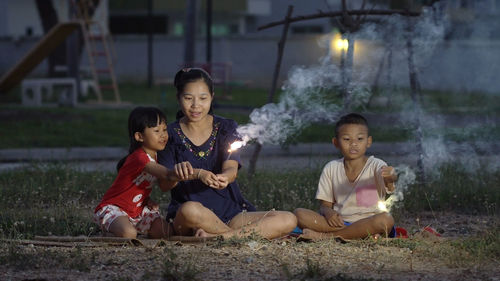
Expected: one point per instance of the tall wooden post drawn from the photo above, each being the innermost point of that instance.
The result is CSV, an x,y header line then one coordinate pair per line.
x,y
190,32
415,94
209,33
150,43
270,97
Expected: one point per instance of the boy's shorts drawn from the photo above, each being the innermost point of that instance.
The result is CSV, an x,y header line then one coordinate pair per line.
x,y
107,214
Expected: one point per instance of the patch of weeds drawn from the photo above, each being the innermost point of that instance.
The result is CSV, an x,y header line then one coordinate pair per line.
x,y
453,188
478,249
123,278
403,243
313,270
343,277
79,261
175,270
24,257
238,241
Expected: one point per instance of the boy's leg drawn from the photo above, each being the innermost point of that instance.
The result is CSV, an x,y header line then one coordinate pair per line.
x,y
121,227
271,224
193,215
377,224
308,219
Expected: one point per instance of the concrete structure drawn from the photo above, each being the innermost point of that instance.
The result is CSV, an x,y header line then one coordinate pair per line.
x,y
463,61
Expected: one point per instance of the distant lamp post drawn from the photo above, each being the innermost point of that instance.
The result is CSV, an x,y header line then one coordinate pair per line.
x,y
338,45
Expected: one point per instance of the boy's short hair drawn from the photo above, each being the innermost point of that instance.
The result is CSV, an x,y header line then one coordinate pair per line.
x,y
351,118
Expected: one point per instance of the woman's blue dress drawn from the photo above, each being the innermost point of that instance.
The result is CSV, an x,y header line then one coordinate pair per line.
x,y
225,203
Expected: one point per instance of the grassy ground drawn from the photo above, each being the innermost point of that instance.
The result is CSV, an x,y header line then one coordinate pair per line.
x,y
55,200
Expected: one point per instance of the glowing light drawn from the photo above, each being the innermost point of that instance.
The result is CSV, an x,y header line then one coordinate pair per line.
x,y
382,207
338,43
236,145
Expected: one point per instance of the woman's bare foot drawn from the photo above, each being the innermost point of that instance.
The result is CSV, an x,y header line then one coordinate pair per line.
x,y
202,233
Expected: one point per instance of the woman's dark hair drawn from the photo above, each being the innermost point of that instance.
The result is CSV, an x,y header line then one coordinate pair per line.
x,y
189,75
351,118
139,119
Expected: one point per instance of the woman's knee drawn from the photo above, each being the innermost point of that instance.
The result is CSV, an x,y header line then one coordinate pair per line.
x,y
191,210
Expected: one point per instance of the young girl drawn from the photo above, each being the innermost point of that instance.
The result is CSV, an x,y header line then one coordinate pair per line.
x,y
126,208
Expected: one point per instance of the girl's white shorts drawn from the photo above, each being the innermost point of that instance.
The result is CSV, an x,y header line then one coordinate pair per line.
x,y
107,214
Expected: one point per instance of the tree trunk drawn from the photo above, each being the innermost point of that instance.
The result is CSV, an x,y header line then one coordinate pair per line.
x,y
281,47
415,96
49,19
190,33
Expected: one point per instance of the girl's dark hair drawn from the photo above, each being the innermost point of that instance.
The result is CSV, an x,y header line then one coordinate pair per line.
x,y
139,119
189,75
351,118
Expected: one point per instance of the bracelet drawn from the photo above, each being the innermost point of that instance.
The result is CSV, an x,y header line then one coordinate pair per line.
x,y
199,172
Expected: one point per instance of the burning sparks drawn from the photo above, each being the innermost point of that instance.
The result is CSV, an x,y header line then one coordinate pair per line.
x,y
235,146
382,207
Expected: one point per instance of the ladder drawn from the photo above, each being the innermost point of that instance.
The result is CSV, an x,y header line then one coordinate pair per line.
x,y
98,45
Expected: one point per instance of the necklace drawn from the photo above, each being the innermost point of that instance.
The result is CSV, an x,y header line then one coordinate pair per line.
x,y
201,154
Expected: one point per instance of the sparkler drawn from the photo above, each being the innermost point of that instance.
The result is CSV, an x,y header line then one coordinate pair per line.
x,y
382,207
234,146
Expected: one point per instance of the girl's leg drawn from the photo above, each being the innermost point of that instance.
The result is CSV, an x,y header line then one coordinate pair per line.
x,y
160,228
271,224
193,215
308,219
121,227
376,224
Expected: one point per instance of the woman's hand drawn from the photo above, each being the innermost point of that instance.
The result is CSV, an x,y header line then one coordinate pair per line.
x,y
223,180
209,179
183,170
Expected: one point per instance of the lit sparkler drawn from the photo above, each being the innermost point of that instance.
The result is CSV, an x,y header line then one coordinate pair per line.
x,y
235,146
382,207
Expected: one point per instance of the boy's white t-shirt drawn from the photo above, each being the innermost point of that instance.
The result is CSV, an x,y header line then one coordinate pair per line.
x,y
353,200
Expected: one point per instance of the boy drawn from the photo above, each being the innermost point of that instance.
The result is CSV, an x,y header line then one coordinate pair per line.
x,y
350,188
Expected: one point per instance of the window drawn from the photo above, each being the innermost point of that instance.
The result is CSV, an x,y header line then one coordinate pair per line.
x,y
305,29
137,24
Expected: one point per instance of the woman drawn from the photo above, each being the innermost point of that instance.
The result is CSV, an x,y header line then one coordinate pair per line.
x,y
208,201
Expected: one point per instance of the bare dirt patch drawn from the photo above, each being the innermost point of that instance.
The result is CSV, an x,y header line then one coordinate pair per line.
x,y
420,257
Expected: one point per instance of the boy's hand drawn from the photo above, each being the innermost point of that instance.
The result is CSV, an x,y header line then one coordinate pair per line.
x,y
333,218
183,170
389,175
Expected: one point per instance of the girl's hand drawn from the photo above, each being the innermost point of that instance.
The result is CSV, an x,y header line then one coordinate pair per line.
x,y
334,219
209,179
183,170
223,180
152,205
388,174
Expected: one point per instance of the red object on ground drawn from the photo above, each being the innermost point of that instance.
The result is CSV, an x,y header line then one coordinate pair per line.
x,y
432,230
401,232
